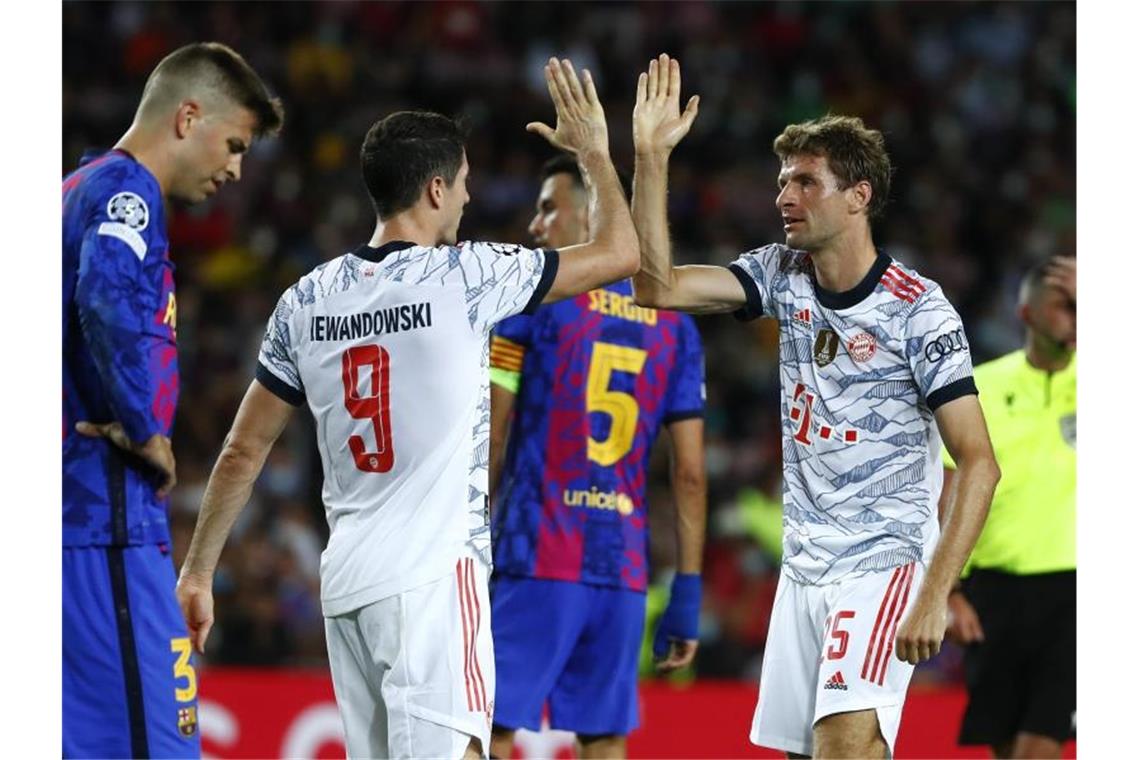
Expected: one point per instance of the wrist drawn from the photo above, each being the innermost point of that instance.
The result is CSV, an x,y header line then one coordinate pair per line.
x,y
651,157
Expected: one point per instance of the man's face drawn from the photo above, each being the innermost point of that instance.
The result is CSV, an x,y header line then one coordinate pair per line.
x,y
1051,314
813,207
212,151
560,217
454,200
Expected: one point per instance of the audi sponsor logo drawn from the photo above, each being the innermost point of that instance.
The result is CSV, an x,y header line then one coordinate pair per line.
x,y
946,344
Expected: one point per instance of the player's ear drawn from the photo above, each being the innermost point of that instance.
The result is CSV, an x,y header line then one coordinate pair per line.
x,y
435,191
1023,313
189,112
859,196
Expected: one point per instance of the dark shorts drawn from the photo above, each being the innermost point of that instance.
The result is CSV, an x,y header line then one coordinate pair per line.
x,y
572,646
1023,677
129,684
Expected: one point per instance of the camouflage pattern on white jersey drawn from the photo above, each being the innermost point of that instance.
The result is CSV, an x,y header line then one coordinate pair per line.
x,y
860,373
390,349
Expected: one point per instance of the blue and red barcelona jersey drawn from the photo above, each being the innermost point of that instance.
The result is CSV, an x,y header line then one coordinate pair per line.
x,y
120,362
599,377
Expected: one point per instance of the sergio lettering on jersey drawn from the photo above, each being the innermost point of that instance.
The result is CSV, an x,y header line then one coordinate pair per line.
x,y
618,305
356,326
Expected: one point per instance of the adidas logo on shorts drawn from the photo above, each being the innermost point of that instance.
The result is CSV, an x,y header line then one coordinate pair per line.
x,y
836,682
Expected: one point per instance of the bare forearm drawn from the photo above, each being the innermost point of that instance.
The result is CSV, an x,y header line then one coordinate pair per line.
x,y
227,492
973,490
609,211
650,182
692,507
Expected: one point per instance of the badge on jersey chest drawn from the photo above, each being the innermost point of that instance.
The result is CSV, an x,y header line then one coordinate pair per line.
x,y
826,347
1069,429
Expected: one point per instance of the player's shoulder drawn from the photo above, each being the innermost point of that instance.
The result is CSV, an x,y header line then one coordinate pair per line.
x,y
116,172
779,257
914,293
320,282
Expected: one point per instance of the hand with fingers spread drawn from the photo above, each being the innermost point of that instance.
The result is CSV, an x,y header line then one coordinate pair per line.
x,y
157,451
581,122
658,124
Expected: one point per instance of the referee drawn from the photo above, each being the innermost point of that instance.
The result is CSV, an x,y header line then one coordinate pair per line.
x,y
1016,610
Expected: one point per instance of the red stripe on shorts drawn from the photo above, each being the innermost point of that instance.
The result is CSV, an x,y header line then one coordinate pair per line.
x,y
902,607
466,635
481,687
892,610
891,622
878,622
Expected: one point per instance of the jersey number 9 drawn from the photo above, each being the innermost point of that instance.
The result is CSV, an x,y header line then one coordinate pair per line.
x,y
375,405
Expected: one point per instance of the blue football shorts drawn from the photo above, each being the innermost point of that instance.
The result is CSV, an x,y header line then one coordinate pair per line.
x,y
129,684
571,646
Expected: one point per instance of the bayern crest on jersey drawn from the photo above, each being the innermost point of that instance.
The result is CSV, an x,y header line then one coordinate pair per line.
x,y
861,347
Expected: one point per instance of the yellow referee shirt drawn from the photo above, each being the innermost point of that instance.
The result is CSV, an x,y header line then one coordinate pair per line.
x,y
1032,418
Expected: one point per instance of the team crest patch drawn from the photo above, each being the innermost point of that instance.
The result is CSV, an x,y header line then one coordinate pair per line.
x,y
861,347
188,720
129,209
826,347
1069,429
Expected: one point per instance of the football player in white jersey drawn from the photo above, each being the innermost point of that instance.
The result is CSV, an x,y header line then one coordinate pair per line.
x,y
388,347
875,373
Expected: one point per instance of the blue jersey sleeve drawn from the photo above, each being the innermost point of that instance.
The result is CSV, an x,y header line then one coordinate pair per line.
x,y
686,394
123,275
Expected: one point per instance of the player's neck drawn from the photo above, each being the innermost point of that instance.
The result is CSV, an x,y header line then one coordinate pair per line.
x,y
844,262
147,151
1045,354
404,227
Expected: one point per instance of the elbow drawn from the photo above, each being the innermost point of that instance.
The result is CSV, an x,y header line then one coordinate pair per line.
x,y
647,294
690,480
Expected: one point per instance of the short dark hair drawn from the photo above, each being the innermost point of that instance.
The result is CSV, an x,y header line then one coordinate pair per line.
x,y
564,163
403,151
854,153
217,67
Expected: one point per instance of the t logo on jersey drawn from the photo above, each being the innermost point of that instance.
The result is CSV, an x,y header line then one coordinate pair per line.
x,y
801,412
826,347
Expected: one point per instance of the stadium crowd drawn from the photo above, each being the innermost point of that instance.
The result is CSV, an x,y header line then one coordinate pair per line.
x,y
977,102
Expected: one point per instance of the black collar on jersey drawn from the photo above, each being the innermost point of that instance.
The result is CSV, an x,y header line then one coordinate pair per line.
x,y
376,255
866,286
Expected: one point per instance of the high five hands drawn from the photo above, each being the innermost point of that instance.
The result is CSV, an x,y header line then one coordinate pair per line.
x,y
658,124
581,122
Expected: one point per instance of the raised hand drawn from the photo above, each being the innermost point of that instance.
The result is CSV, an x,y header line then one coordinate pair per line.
x,y
1062,274
156,451
581,122
658,124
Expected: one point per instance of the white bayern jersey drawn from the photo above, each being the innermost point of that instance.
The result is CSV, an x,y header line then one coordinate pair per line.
x,y
389,347
860,374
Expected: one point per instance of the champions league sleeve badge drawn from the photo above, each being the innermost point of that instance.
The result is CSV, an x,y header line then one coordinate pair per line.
x,y
130,209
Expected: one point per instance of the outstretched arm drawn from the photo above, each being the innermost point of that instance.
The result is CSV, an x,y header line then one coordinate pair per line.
x,y
963,428
658,125
260,420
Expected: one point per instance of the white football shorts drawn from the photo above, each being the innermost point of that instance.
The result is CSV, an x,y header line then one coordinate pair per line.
x,y
830,650
414,673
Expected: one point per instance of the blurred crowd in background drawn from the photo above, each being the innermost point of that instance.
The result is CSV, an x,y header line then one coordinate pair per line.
x,y
977,102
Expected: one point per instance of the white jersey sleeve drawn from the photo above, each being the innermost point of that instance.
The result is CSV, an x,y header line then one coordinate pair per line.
x,y
502,280
277,359
763,273
937,350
